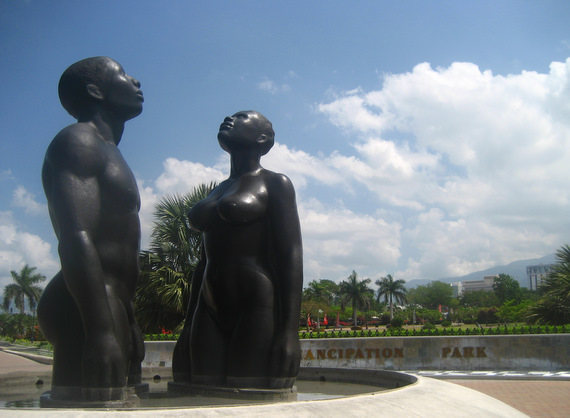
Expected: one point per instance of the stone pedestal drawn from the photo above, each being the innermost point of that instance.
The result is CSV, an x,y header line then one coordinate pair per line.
x,y
115,398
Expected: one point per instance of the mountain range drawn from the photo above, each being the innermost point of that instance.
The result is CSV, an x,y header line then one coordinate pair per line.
x,y
516,269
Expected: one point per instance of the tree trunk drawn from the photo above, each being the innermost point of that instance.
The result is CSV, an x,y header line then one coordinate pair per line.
x,y
354,314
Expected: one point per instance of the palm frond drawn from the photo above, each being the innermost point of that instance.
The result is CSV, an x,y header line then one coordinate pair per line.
x,y
166,269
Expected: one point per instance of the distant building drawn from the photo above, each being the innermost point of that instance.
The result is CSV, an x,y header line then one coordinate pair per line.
x,y
535,274
457,288
485,285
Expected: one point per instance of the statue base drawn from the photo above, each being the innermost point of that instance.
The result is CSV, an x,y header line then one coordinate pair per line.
x,y
141,389
266,395
72,397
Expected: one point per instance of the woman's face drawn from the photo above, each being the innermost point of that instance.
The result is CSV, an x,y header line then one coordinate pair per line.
x,y
243,130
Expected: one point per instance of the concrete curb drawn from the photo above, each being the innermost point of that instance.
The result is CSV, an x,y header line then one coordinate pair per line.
x,y
427,398
35,357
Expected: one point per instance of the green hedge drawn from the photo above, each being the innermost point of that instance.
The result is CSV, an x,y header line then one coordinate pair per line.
x,y
161,337
399,332
439,332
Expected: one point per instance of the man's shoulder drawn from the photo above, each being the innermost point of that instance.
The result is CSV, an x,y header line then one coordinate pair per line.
x,y
77,135
75,146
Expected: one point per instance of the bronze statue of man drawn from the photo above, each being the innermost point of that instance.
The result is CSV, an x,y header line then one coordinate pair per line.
x,y
86,310
242,327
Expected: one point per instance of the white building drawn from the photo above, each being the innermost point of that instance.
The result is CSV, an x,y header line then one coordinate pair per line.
x,y
457,289
536,273
486,285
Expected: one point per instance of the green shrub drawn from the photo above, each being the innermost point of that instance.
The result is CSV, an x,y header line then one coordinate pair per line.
x,y
428,330
385,319
397,322
487,316
161,337
446,323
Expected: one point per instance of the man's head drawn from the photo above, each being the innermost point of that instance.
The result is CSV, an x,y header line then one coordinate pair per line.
x,y
102,81
73,83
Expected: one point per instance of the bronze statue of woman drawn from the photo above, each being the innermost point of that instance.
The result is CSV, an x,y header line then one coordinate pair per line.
x,y
243,320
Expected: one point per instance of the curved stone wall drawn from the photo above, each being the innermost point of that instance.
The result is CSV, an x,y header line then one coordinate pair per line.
x,y
502,352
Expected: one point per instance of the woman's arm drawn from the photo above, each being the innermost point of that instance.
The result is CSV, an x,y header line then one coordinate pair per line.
x,y
287,261
181,366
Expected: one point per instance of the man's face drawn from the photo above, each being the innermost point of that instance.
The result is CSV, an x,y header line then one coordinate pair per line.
x,y
122,94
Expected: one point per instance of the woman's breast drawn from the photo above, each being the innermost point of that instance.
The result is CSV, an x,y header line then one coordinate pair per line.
x,y
231,207
241,208
203,214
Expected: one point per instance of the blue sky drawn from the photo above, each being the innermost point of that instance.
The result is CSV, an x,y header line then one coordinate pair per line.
x,y
426,139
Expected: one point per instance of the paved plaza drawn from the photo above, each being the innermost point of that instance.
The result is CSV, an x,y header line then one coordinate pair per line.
x,y
536,398
10,363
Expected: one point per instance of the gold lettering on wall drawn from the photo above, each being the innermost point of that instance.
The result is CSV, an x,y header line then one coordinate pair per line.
x,y
456,353
353,353
465,352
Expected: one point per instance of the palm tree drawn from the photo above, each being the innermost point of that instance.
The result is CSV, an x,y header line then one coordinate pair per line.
x,y
554,306
317,297
166,270
172,238
324,291
357,292
392,290
24,286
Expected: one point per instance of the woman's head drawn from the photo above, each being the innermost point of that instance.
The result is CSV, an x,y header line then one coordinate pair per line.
x,y
246,129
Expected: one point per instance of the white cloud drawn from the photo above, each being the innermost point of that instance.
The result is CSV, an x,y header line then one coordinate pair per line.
x,y
6,175
272,87
301,166
393,172
24,199
338,240
18,248
182,176
484,163
291,74
466,170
